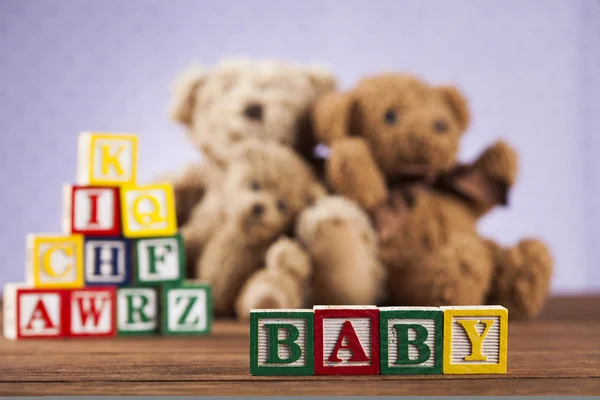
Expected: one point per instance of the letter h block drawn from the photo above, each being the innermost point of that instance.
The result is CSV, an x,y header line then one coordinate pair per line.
x,y
346,340
412,340
281,342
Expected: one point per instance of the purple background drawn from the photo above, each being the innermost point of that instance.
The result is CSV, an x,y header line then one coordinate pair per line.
x,y
531,70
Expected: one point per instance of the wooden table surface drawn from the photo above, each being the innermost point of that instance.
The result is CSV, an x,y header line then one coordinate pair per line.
x,y
558,353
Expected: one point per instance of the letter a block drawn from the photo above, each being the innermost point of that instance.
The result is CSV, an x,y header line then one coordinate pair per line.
x,y
137,311
90,210
92,312
346,340
55,261
159,260
106,159
186,309
281,342
107,261
411,340
33,313
475,339
148,211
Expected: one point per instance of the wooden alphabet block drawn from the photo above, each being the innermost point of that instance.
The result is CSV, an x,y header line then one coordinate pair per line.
x,y
411,340
54,261
159,260
106,159
137,311
91,210
107,261
32,313
186,308
475,339
281,342
91,312
148,211
346,340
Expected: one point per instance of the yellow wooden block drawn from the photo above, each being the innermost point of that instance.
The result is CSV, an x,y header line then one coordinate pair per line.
x,y
475,339
55,261
107,159
148,211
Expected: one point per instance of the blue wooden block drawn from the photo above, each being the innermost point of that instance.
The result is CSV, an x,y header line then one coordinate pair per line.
x,y
107,261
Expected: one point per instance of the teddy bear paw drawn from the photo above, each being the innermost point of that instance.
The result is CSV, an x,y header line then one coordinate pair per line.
x,y
499,161
261,297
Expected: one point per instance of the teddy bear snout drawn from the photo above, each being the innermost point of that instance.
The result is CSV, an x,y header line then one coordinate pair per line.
x,y
258,209
254,111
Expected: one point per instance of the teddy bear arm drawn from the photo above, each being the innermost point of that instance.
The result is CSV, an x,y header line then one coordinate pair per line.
x,y
499,161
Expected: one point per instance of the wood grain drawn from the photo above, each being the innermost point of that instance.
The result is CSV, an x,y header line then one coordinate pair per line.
x,y
558,353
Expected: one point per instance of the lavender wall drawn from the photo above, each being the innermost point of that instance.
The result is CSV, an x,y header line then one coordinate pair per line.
x,y
530,69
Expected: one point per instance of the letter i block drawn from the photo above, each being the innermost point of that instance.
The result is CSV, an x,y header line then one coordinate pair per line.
x,y
91,312
137,311
107,261
106,159
186,308
475,339
281,342
412,340
33,313
148,211
54,261
90,210
346,340
159,260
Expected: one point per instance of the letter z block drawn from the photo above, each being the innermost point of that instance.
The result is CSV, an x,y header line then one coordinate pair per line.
x,y
186,309
346,340
90,210
412,340
159,260
54,261
91,312
475,339
281,342
137,311
148,211
106,159
107,261
32,313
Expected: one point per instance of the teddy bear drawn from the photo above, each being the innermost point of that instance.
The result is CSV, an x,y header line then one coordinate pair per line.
x,y
394,141
219,108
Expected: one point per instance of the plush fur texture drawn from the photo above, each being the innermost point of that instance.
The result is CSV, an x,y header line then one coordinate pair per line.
x,y
391,124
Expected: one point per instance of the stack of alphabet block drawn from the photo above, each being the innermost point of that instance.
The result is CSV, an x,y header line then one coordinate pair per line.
x,y
118,266
344,340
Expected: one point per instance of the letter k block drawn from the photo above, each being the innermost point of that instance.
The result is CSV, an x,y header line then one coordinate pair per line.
x,y
148,211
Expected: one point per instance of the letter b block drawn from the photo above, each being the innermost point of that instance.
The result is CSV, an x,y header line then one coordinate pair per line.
x,y
55,261
281,342
148,211
475,339
411,340
106,159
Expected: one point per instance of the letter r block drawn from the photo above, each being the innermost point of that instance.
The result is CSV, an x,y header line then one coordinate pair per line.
x,y
137,311
106,159
281,342
54,261
148,211
475,339
411,340
346,340
186,309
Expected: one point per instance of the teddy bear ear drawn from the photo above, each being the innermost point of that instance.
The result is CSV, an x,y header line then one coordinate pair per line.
x,y
458,104
322,80
183,93
333,116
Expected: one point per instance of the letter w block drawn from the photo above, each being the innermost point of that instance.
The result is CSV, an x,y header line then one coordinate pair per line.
x,y
281,342
91,312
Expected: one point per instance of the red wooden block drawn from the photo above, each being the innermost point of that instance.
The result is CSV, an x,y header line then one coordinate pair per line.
x,y
346,340
33,313
91,312
92,210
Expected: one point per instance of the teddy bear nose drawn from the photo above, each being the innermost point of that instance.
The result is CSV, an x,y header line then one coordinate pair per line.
x,y
258,210
254,111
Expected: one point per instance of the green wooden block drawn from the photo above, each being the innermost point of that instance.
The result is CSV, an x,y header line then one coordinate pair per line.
x,y
137,311
282,342
412,340
186,309
159,260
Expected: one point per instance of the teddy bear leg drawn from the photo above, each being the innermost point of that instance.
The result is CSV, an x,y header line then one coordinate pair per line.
x,y
522,275
457,273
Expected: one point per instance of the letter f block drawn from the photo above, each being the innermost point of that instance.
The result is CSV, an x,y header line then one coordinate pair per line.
x,y
281,342
475,339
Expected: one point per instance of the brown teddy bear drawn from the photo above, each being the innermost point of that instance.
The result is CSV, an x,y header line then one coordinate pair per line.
x,y
394,141
220,108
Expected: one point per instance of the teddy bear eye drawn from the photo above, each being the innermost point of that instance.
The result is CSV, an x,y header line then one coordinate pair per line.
x,y
391,117
440,126
282,205
255,186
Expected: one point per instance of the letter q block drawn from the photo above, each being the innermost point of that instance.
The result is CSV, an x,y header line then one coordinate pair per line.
x,y
54,261
106,159
148,211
